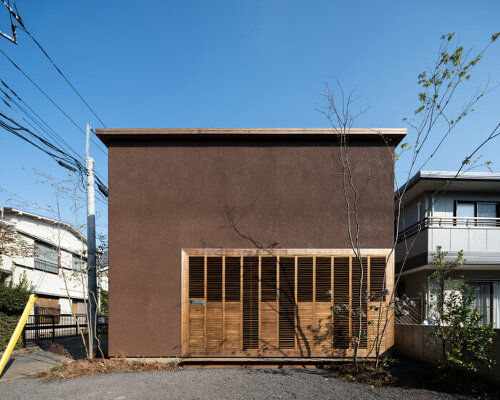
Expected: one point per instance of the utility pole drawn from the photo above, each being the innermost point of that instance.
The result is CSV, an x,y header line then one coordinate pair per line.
x,y
91,250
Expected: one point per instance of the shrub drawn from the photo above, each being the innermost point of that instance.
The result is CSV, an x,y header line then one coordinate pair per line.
x,y
13,299
7,325
466,339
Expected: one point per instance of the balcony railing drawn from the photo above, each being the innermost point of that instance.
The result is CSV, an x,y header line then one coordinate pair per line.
x,y
46,266
457,222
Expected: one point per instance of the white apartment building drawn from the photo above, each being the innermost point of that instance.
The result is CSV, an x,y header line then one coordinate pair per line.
x,y
456,213
58,264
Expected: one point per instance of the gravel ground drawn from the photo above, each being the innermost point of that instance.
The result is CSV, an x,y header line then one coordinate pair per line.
x,y
229,383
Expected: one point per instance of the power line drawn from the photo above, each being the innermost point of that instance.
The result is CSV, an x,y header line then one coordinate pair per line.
x,y
62,74
49,98
60,156
55,136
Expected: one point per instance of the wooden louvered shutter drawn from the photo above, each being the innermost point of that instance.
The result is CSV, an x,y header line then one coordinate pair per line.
x,y
232,305
269,304
356,305
257,305
322,311
287,303
377,277
305,279
196,303
214,303
250,303
341,326
323,279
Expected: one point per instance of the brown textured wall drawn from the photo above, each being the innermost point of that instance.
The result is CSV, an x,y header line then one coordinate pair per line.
x,y
169,195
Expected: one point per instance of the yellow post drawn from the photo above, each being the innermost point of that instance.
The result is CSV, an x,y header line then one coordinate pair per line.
x,y
17,332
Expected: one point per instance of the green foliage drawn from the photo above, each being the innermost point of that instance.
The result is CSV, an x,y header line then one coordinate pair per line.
x,y
387,362
466,340
14,296
104,301
7,325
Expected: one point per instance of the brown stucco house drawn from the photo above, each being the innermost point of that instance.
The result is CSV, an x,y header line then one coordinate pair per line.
x,y
231,243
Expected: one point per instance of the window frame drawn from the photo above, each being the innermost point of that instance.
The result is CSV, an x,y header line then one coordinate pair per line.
x,y
49,266
475,203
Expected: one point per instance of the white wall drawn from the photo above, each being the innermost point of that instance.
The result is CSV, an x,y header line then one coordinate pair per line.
x,y
444,205
46,283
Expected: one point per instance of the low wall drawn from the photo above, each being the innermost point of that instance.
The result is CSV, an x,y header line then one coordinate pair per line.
x,y
413,341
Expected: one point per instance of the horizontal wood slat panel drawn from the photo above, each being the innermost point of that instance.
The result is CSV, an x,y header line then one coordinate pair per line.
x,y
287,303
250,303
378,267
359,306
268,279
196,277
340,298
323,279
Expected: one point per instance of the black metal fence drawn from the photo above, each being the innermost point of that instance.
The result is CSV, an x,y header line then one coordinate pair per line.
x,y
46,324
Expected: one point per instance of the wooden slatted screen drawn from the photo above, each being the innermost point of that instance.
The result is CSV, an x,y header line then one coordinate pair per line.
x,y
377,274
287,303
250,303
359,289
288,312
341,326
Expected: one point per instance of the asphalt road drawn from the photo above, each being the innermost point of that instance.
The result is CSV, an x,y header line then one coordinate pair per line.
x,y
229,383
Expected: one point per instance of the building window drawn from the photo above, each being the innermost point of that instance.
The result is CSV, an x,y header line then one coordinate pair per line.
x,y
79,264
465,213
476,213
487,301
46,258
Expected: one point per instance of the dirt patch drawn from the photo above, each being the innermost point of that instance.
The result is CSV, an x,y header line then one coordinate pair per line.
x,y
365,373
58,348
75,369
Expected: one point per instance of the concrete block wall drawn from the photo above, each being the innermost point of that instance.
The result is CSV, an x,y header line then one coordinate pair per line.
x,y
414,341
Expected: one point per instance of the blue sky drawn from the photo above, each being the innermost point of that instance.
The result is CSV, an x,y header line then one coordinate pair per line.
x,y
233,64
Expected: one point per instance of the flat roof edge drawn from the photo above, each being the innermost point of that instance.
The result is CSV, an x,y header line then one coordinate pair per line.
x,y
130,133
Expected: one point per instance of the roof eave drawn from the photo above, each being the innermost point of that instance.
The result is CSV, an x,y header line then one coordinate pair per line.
x,y
107,135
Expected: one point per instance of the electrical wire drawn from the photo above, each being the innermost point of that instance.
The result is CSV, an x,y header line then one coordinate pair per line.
x,y
60,156
62,74
50,99
49,131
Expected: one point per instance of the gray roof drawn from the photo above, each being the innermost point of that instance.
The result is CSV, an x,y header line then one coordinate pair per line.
x,y
476,181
